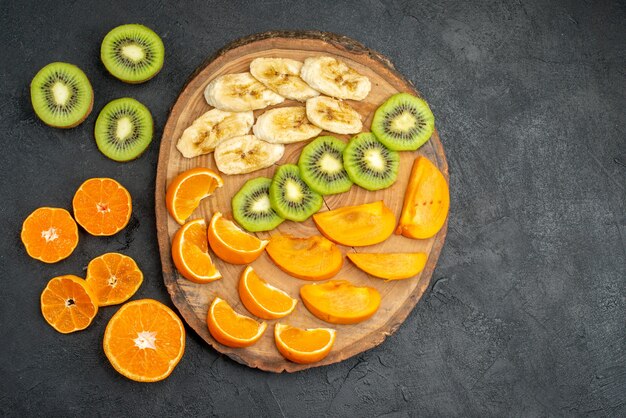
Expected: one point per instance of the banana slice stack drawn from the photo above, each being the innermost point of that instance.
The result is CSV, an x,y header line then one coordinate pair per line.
x,y
245,154
335,78
285,125
282,76
239,93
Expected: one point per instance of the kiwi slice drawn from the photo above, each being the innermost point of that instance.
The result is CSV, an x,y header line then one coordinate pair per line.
x,y
123,129
403,123
291,197
321,166
132,53
61,95
251,206
369,163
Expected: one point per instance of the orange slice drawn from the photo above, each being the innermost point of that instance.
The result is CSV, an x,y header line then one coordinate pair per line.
x,y
102,206
231,243
190,252
187,190
144,340
114,278
340,302
304,345
390,266
230,328
49,234
68,304
262,299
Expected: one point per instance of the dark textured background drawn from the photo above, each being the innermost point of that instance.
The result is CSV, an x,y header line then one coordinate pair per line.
x,y
527,314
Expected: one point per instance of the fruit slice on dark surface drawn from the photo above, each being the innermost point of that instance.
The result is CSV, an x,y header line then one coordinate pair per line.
x,y
251,206
321,166
123,129
291,197
61,95
369,163
133,53
403,123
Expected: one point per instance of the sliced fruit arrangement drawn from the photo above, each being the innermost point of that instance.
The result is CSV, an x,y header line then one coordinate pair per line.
x,y
68,304
232,244
252,208
102,206
190,252
285,125
213,127
304,345
245,154
239,93
282,76
132,53
61,95
340,302
333,115
231,328
356,226
321,166
390,266
335,78
426,201
49,234
144,340
262,299
114,278
369,163
185,192
403,123
291,197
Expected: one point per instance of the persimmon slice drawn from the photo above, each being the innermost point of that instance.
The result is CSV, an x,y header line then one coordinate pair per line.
x,y
102,206
114,278
68,304
340,302
390,266
262,299
231,243
231,328
49,234
190,252
312,258
185,192
304,345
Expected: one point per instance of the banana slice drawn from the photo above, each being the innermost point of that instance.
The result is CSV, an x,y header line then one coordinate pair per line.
x,y
334,78
245,154
285,125
333,115
282,75
212,128
239,93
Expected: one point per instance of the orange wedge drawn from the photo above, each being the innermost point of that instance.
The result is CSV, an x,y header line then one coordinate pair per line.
x,y
114,278
304,345
190,252
187,190
390,266
262,299
68,304
144,340
102,206
49,234
230,328
231,243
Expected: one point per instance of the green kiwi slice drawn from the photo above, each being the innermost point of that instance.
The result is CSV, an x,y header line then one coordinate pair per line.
x,y
251,206
61,95
133,53
369,163
123,129
321,166
403,123
291,197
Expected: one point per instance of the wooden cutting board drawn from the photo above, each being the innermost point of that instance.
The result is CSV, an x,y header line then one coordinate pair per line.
x,y
192,300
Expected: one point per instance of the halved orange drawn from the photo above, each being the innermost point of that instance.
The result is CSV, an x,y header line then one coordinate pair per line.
x,y
230,328
144,340
262,299
304,345
231,243
49,234
68,304
187,190
190,252
102,206
114,278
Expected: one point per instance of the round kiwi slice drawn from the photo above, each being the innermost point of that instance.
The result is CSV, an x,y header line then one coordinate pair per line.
x,y
132,53
369,163
403,123
123,129
321,166
61,95
291,197
251,206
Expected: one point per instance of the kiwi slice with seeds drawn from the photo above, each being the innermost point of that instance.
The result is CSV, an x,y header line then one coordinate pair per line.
x,y
61,95
321,166
403,123
291,197
369,163
133,53
251,206
123,129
